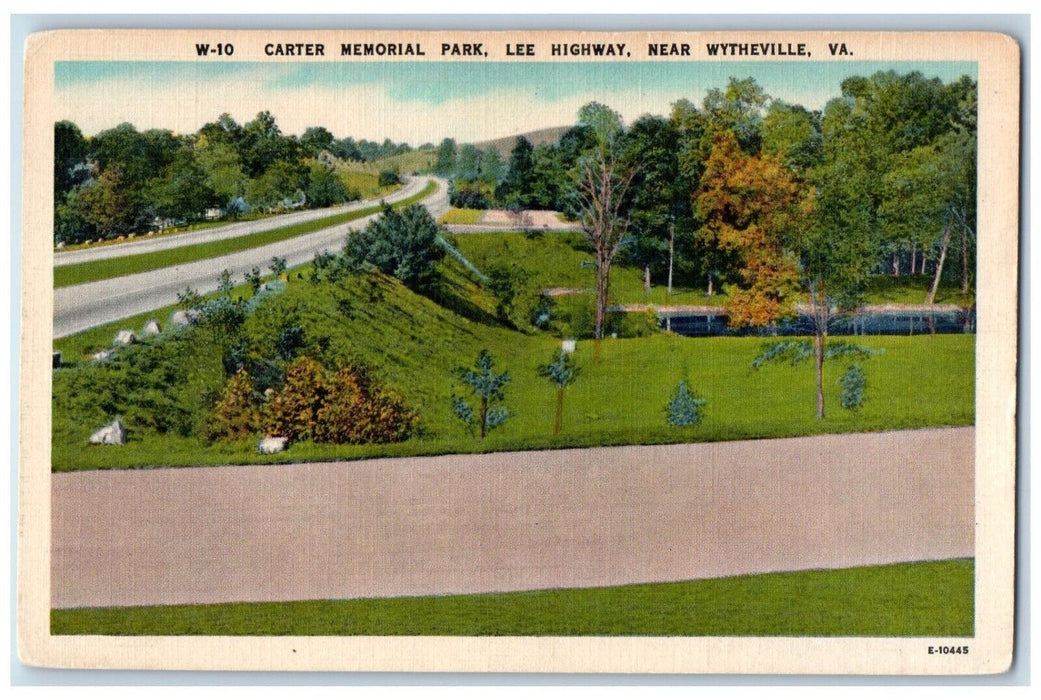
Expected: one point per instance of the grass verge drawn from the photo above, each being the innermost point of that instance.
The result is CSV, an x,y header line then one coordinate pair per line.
x,y
900,600
81,273
461,216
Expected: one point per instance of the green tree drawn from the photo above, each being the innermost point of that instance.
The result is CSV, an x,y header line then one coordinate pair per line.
x,y
108,206
515,189
221,169
468,165
316,139
657,200
604,123
279,184
739,109
404,243
684,408
793,135
562,372
324,186
505,281
492,167
445,163
184,191
70,151
487,385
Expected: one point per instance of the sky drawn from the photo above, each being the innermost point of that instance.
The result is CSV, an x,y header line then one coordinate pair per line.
x,y
426,101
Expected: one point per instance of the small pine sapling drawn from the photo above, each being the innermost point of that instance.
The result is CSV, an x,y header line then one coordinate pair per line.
x,y
562,371
852,383
487,387
685,408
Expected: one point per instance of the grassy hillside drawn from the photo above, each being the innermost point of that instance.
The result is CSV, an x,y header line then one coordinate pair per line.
x,y
538,137
554,260
414,343
929,599
417,161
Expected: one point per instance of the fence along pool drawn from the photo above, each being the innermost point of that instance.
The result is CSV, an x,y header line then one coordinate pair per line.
x,y
702,325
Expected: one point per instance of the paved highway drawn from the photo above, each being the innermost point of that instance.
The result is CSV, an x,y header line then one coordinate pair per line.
x,y
84,306
217,233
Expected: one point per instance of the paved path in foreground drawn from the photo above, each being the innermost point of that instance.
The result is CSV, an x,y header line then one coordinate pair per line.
x,y
465,524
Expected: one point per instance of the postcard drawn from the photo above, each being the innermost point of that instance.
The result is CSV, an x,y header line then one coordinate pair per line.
x,y
519,351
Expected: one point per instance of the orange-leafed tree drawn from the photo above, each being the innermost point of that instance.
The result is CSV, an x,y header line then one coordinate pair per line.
x,y
749,204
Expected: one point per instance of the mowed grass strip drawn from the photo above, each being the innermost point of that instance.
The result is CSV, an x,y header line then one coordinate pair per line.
x,y
461,216
93,271
924,599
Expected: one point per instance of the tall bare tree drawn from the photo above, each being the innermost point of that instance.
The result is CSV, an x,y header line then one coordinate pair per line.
x,y
600,191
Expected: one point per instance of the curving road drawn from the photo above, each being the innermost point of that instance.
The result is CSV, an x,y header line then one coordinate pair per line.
x,y
219,233
84,306
510,521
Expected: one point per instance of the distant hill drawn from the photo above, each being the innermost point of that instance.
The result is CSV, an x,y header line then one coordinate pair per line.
x,y
538,137
405,163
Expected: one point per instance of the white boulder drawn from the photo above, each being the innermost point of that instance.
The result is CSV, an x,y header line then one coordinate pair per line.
x,y
125,337
271,445
151,328
184,317
115,433
103,355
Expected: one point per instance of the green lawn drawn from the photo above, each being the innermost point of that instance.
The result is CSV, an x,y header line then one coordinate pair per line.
x,y
913,289
554,260
367,185
565,259
928,599
461,216
174,230
81,273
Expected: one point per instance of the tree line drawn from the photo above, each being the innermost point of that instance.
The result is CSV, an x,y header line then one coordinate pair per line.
x,y
122,180
783,205
892,157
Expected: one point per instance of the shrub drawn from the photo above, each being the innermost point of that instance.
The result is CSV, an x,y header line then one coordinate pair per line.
x,y
505,281
293,412
402,243
356,411
468,195
633,325
346,407
542,312
388,178
852,383
685,408
236,413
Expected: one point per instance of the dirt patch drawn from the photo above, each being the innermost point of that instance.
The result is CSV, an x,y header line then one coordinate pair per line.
x,y
536,219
